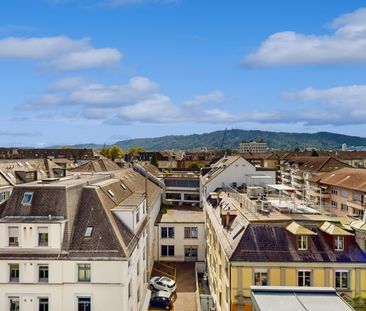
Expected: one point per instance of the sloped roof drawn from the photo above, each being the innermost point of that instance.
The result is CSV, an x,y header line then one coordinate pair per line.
x,y
332,229
297,229
273,243
96,166
349,178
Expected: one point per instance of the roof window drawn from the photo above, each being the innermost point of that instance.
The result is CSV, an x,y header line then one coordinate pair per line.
x,y
27,198
88,231
123,186
110,192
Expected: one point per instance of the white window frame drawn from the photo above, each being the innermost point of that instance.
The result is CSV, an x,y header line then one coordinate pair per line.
x,y
339,243
303,272
29,202
261,273
302,242
341,279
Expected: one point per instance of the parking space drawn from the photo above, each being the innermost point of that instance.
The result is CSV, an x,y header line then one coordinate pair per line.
x,y
183,274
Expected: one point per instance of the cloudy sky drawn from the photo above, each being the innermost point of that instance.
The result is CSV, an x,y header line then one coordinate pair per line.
x,y
80,71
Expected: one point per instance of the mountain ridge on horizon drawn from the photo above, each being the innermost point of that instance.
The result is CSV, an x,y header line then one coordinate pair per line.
x,y
213,140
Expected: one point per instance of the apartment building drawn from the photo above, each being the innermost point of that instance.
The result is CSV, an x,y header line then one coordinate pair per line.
x,y
181,234
21,171
181,187
262,159
296,171
253,146
77,243
341,192
246,248
234,171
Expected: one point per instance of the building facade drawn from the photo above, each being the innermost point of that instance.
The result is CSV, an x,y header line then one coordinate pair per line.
x,y
253,146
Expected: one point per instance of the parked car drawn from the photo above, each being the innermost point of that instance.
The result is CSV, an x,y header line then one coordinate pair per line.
x,y
162,284
162,300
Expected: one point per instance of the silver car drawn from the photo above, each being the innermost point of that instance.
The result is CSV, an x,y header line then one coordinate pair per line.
x,y
162,284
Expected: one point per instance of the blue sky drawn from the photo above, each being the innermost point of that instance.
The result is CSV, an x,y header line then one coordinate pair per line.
x,y
75,71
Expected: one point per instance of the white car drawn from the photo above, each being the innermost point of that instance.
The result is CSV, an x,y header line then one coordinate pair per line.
x,y
162,284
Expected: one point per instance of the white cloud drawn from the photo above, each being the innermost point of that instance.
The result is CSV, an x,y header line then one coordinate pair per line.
x,y
212,97
61,53
346,45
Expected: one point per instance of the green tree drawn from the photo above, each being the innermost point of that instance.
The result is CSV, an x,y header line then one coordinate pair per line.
x,y
104,152
115,152
154,161
194,166
135,149
66,147
357,303
314,153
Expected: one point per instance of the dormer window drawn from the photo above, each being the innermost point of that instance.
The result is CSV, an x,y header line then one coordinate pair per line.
x,y
339,243
27,198
302,242
110,192
88,231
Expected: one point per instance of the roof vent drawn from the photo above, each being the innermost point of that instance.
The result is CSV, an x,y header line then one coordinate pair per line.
x,y
50,180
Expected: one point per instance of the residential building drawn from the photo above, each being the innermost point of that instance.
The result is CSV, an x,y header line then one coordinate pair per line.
x,y
59,235
246,247
262,159
253,146
181,234
296,171
234,171
283,298
48,153
181,187
341,192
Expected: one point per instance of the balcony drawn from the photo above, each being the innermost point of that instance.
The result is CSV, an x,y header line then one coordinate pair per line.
x,y
316,193
356,204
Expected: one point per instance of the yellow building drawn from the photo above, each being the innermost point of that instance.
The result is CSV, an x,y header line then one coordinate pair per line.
x,y
252,244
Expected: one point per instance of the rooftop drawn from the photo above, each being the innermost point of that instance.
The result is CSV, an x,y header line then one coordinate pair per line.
x,y
182,214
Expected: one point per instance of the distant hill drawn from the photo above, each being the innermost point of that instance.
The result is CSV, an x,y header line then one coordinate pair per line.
x,y
277,140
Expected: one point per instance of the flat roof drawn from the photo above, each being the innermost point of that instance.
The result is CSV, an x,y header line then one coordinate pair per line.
x,y
182,214
282,298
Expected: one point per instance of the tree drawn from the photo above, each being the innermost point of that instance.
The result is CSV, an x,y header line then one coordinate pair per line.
x,y
112,152
66,148
314,153
135,149
194,166
154,161
115,152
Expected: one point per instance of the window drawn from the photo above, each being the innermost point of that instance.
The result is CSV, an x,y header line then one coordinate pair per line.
x,y
129,289
333,191
137,216
88,231
341,279
14,273
43,304
167,250
13,234
27,198
191,252
84,304
84,272
4,196
357,197
339,243
167,232
344,207
138,294
302,242
14,303
260,277
110,192
334,204
190,232
43,273
304,278
138,268
42,236
123,186
344,193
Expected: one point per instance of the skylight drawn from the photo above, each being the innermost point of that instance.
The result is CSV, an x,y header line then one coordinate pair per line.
x,y
27,198
110,192
123,186
88,231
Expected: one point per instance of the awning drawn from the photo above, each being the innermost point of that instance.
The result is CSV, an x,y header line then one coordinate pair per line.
x,y
297,229
332,229
281,187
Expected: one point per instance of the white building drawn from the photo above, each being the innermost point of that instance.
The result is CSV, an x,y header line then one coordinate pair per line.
x,y
253,146
77,243
235,171
181,235
181,187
